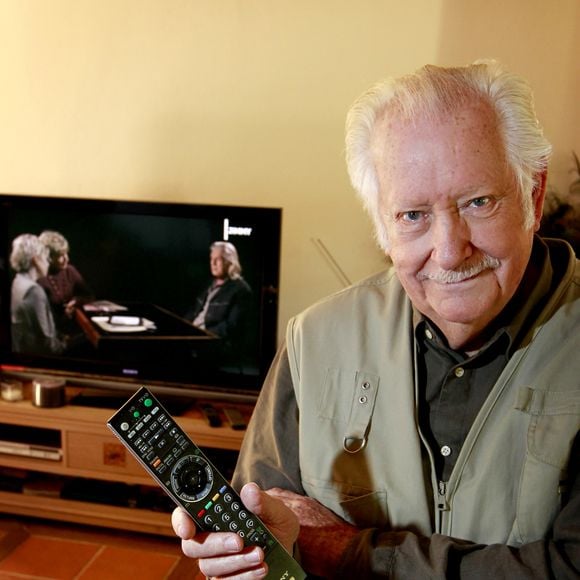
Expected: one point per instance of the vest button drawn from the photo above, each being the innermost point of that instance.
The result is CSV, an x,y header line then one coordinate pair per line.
x,y
459,372
446,451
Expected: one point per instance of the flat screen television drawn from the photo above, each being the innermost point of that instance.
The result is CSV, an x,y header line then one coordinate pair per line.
x,y
144,273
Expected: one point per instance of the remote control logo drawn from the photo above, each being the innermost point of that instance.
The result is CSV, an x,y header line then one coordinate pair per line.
x,y
286,576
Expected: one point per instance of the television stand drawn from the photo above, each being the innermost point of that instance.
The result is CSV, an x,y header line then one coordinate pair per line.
x,y
114,399
81,473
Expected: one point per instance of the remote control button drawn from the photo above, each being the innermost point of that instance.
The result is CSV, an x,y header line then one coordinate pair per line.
x,y
208,520
234,526
218,508
228,497
226,517
250,523
124,426
235,506
192,478
155,411
148,402
243,515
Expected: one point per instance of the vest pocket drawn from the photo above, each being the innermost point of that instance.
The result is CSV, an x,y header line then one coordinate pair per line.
x,y
358,506
554,423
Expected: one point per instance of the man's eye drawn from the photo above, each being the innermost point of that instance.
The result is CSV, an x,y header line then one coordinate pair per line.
x,y
412,216
479,202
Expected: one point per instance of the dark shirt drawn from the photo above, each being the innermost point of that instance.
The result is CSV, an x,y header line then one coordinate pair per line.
x,y
227,311
454,385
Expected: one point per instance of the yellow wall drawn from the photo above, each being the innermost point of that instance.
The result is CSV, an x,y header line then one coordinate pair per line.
x,y
243,101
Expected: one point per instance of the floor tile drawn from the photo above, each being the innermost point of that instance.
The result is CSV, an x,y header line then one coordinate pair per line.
x,y
115,563
46,557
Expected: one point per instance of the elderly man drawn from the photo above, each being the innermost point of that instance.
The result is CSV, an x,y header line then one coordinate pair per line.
x,y
424,422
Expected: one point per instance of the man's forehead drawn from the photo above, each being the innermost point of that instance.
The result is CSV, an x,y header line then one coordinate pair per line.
x,y
393,118
451,155
394,131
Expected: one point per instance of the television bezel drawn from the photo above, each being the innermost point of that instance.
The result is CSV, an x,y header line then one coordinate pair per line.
x,y
80,373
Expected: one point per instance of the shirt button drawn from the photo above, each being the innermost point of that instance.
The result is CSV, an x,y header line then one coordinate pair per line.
x,y
428,334
459,372
446,451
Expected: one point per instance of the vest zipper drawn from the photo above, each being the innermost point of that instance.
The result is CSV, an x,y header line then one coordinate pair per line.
x,y
442,505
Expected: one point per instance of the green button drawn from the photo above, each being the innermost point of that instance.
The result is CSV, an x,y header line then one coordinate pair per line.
x,y
136,414
148,402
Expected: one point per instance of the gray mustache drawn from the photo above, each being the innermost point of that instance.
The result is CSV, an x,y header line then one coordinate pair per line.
x,y
455,276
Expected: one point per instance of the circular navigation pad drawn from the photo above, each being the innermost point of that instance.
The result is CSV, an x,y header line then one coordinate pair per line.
x,y
192,478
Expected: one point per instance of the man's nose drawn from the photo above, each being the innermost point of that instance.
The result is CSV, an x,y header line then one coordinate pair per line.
x,y
451,241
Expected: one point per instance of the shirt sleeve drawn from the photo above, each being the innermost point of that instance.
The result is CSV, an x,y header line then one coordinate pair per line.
x,y
269,454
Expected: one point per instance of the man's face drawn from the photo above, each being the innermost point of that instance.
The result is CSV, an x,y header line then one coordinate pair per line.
x,y
217,264
453,217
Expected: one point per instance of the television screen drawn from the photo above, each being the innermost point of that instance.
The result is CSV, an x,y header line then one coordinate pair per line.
x,y
181,296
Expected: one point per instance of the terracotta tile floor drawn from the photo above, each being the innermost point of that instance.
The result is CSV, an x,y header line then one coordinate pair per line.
x,y
40,550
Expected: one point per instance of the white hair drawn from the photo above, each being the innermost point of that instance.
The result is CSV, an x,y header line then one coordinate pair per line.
x,y
24,248
432,92
54,241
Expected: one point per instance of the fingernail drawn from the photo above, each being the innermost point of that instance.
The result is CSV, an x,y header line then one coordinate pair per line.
x,y
232,544
253,557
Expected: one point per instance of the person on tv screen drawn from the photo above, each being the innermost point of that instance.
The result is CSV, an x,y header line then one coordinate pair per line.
x,y
32,323
64,285
223,307
424,422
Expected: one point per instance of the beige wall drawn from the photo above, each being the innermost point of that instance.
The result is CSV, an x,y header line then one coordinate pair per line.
x,y
243,101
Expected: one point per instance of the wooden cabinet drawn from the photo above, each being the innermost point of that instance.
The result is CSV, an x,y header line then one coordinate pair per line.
x,y
89,450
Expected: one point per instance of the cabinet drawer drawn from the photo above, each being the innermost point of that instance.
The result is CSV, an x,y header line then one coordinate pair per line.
x,y
101,454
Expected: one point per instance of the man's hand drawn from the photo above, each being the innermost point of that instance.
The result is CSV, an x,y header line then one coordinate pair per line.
x,y
323,535
223,553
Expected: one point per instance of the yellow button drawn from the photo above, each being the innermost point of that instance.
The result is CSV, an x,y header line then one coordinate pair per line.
x,y
459,372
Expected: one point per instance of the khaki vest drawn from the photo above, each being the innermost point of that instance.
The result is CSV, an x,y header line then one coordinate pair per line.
x,y
361,451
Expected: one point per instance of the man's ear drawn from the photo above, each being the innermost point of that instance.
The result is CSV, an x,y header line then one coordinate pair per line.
x,y
538,196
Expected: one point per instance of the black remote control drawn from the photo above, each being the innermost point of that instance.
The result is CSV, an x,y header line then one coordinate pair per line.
x,y
145,427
